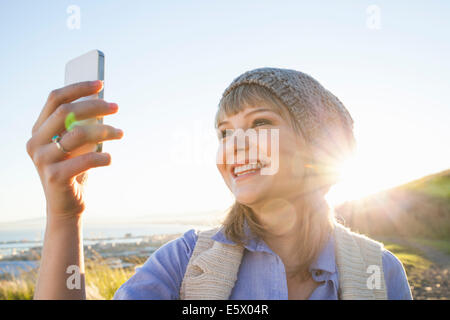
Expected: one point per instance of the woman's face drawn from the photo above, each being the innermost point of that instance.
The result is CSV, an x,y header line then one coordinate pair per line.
x,y
282,156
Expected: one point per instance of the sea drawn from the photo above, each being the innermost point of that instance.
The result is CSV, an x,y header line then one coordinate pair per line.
x,y
14,240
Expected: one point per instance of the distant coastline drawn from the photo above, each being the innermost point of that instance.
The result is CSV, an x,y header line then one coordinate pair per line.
x,y
16,241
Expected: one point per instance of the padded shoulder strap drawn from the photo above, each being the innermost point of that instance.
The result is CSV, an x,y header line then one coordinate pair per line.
x,y
212,270
360,267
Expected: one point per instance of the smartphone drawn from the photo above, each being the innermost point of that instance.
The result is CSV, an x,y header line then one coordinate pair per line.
x,y
87,67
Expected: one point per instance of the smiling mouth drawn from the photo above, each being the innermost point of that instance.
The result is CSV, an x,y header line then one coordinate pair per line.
x,y
246,170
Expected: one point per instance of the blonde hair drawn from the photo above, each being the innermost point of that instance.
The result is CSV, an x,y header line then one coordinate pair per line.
x,y
317,218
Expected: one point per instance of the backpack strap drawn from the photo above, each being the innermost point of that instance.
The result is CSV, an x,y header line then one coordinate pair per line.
x,y
360,267
212,269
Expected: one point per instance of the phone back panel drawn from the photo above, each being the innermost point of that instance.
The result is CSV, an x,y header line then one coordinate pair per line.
x,y
87,67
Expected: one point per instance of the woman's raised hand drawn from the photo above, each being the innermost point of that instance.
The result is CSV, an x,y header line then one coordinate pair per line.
x,y
62,174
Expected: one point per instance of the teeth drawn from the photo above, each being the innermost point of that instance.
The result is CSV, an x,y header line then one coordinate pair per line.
x,y
240,174
252,166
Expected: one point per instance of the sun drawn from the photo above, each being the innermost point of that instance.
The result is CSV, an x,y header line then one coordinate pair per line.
x,y
356,181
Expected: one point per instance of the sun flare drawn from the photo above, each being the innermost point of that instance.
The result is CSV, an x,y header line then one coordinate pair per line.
x,y
357,179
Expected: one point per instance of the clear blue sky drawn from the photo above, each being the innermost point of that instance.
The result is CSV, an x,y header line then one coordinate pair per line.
x,y
168,64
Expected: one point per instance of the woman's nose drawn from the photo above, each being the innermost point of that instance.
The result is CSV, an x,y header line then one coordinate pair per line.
x,y
242,145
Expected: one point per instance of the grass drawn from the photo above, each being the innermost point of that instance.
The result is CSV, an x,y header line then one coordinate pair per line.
x,y
441,245
412,259
437,185
21,288
102,281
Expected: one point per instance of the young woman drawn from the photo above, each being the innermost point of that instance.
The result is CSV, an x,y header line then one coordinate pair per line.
x,y
285,135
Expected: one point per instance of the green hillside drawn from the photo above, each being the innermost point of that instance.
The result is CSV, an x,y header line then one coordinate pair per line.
x,y
419,209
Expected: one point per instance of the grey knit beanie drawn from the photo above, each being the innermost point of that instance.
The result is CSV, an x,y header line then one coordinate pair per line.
x,y
322,118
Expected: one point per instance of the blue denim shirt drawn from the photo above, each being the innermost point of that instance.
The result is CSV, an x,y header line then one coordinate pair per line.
x,y
261,273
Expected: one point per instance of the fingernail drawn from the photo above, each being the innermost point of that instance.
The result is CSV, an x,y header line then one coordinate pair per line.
x,y
118,131
97,84
113,106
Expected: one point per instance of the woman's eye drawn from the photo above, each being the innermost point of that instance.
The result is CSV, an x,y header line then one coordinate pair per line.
x,y
223,133
261,122
257,122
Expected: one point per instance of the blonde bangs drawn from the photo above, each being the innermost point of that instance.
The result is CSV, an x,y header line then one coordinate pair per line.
x,y
252,95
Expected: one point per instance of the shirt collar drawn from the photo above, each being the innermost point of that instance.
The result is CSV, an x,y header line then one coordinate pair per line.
x,y
326,260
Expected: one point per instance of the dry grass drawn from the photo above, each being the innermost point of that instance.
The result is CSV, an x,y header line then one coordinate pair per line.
x,y
102,281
